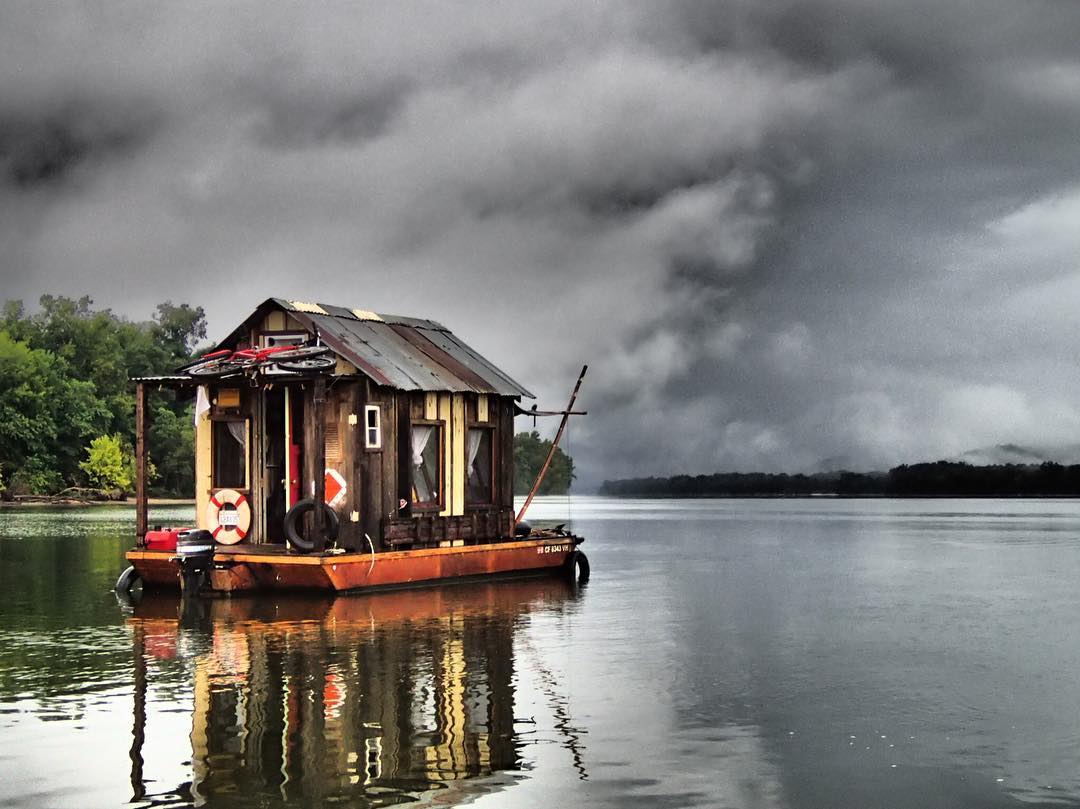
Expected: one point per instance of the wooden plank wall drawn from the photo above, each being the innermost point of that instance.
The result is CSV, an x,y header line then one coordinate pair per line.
x,y
255,411
377,469
430,528
504,453
377,478
458,451
455,521
340,452
343,402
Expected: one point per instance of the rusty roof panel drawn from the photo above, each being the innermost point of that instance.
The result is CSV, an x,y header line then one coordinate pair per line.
x,y
416,338
366,348
396,357
500,382
406,353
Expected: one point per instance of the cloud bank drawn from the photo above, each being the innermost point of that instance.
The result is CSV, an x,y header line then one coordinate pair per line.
x,y
785,236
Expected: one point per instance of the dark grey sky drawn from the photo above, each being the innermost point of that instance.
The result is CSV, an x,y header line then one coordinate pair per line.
x,y
782,234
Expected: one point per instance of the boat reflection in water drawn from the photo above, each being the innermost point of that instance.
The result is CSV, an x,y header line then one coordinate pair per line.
x,y
366,700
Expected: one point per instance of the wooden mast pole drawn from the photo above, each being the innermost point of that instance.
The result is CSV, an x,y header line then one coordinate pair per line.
x,y
318,433
554,446
140,463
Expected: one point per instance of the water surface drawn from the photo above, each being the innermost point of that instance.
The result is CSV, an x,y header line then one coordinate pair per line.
x,y
729,653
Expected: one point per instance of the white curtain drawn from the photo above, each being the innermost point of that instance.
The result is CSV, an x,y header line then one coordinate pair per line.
x,y
421,434
202,403
238,430
475,437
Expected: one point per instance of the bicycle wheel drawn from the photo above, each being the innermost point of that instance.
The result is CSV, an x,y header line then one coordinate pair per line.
x,y
212,369
298,353
323,363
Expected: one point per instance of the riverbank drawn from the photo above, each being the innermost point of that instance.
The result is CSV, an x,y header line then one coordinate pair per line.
x,y
38,502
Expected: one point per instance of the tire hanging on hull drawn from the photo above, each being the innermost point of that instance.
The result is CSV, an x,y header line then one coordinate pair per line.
x,y
292,525
125,586
128,579
577,567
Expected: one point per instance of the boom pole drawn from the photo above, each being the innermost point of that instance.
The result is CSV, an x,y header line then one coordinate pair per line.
x,y
554,446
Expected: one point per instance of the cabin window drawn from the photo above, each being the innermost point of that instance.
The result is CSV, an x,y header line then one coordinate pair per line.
x,y
479,462
372,427
229,441
426,465
284,339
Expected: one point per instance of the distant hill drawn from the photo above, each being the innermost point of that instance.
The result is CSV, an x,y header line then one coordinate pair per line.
x,y
936,479
1066,454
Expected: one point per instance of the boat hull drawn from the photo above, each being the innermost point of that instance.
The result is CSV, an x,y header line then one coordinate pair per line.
x,y
240,568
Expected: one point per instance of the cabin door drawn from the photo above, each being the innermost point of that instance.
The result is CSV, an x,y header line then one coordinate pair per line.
x,y
284,459
275,464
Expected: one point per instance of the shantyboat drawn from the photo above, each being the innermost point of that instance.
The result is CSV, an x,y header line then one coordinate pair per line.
x,y
402,432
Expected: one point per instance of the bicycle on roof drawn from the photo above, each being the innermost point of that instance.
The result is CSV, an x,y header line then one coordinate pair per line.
x,y
296,358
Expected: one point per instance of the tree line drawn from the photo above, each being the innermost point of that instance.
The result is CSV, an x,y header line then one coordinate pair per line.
x,y
67,408
934,479
530,451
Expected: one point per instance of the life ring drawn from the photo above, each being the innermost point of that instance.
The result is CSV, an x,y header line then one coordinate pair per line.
x,y
220,520
296,514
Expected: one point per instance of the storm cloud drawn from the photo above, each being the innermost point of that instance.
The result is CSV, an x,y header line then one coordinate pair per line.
x,y
785,236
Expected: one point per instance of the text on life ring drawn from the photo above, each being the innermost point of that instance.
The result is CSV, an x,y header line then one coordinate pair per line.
x,y
228,516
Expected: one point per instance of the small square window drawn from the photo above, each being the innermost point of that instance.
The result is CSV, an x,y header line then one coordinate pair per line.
x,y
372,427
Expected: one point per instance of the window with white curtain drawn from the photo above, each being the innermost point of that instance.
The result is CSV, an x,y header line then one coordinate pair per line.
x,y
229,444
427,471
478,465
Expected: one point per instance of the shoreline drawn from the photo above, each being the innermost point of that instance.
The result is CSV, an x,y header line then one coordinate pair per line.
x,y
153,501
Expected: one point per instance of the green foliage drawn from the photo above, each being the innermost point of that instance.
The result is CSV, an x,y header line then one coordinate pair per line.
x,y
178,329
107,466
64,379
36,477
45,415
172,442
530,452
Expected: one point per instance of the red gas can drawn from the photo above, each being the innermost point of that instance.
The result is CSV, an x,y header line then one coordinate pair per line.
x,y
163,539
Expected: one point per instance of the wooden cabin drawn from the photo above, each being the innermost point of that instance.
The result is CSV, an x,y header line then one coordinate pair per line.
x,y
409,439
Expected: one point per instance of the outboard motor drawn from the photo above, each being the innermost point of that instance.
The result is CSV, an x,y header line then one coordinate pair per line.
x,y
195,555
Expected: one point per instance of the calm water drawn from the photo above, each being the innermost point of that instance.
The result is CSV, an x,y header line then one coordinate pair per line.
x,y
730,653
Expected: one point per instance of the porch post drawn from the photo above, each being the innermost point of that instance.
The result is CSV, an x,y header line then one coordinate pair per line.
x,y
140,463
318,432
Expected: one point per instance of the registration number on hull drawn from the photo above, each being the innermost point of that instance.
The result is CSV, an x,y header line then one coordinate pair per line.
x,y
553,549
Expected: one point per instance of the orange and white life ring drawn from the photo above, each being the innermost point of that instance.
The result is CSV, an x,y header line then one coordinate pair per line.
x,y
228,516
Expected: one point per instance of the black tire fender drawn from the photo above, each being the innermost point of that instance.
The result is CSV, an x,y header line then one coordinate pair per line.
x,y
292,525
577,567
127,581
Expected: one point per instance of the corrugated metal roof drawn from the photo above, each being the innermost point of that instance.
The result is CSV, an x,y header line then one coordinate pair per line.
x,y
402,352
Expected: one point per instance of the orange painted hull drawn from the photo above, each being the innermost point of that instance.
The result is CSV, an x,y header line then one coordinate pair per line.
x,y
240,568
